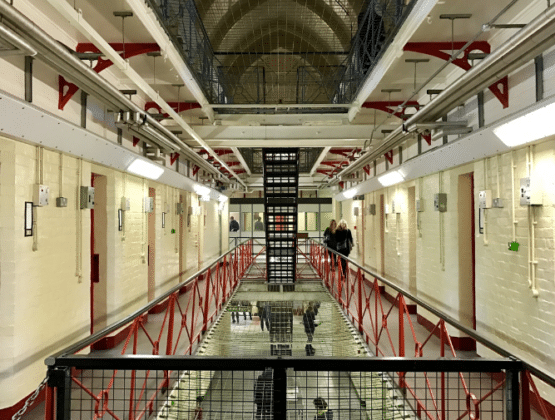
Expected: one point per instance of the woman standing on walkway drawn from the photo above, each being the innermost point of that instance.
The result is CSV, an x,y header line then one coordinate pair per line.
x,y
344,241
329,238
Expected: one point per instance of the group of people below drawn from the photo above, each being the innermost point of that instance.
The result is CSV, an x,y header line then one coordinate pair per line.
x,y
234,225
339,239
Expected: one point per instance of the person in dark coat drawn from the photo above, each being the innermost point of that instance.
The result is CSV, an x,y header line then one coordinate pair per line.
x,y
233,224
344,240
258,225
329,238
323,413
265,314
309,324
263,390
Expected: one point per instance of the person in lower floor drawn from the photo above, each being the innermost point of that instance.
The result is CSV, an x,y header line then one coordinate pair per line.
x,y
263,391
309,324
265,314
323,413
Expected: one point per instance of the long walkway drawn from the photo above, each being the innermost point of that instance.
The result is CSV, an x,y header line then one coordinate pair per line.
x,y
231,394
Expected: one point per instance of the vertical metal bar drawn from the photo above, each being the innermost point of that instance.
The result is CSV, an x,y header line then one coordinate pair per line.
x,y
206,299
525,391
375,167
360,283
445,138
133,373
280,393
442,354
401,336
120,136
171,313
538,62
49,404
386,164
419,143
29,78
481,114
376,333
511,394
400,155
63,393
84,96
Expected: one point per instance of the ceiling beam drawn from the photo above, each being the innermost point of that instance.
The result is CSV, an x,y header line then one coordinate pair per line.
x,y
241,159
320,159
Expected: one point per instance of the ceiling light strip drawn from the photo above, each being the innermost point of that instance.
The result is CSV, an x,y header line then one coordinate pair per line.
x,y
76,19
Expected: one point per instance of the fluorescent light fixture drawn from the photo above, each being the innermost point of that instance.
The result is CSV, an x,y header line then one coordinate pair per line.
x,y
222,198
350,193
200,190
530,127
143,168
391,178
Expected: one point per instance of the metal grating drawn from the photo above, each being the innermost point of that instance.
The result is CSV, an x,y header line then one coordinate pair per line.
x,y
307,158
281,51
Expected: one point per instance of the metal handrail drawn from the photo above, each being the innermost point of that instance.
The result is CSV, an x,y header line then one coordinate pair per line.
x,y
74,348
537,371
375,364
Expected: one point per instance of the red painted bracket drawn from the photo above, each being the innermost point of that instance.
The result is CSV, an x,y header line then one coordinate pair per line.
x,y
428,138
389,156
332,162
233,163
221,152
437,49
136,141
341,184
176,106
342,152
173,158
324,171
391,106
367,169
131,50
195,169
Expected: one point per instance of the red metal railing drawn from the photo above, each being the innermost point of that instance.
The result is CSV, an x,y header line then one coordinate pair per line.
x,y
189,309
390,333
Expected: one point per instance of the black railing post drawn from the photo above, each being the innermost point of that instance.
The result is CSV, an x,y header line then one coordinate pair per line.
x,y
280,393
512,394
60,378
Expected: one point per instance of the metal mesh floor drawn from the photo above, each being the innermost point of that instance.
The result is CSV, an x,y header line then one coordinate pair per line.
x,y
245,337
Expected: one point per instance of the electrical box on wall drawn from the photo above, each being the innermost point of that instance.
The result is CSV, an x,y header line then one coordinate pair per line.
x,y
484,199
372,209
61,202
179,208
440,202
355,211
125,204
420,205
530,195
41,195
149,204
87,197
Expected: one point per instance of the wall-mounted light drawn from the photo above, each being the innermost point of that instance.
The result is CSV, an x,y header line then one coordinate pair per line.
x,y
533,126
222,198
350,193
120,220
205,197
163,220
28,218
201,190
391,178
143,168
